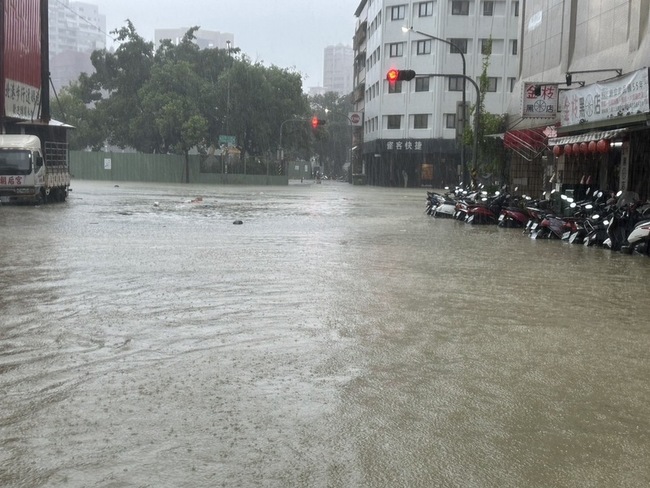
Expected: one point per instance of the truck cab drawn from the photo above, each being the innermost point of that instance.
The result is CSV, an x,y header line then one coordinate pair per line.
x,y
32,171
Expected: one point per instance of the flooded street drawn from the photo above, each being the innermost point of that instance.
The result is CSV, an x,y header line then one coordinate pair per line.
x,y
339,337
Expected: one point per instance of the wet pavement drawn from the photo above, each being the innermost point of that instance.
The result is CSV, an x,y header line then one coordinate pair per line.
x,y
338,337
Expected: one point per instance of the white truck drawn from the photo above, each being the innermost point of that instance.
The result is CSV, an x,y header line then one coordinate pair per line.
x,y
31,171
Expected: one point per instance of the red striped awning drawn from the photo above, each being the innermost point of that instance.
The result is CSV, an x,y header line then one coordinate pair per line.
x,y
531,139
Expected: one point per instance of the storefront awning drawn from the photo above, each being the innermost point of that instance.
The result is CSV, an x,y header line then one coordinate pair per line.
x,y
531,139
527,143
589,136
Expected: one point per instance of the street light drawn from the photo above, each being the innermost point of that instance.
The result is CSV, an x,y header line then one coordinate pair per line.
x,y
228,94
327,111
464,99
280,149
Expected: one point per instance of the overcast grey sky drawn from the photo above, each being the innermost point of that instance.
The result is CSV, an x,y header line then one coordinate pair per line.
x,y
286,33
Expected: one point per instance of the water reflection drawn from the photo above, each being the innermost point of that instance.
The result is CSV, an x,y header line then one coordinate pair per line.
x,y
339,337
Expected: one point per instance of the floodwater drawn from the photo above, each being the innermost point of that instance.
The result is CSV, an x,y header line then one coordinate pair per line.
x,y
338,337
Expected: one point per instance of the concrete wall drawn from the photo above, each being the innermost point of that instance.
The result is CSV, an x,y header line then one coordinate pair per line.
x,y
163,168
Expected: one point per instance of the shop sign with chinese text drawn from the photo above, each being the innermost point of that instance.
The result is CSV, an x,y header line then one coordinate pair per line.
x,y
618,97
540,100
21,100
401,145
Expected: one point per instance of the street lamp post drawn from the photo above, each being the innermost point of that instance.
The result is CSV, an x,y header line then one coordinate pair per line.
x,y
464,99
327,111
280,149
228,94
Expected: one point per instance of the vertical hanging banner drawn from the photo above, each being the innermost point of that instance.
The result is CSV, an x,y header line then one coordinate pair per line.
x,y
618,97
21,58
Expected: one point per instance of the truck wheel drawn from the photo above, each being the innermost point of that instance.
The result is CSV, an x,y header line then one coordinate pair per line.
x,y
41,198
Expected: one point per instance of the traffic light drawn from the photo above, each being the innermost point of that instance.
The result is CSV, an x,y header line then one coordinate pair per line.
x,y
316,122
394,75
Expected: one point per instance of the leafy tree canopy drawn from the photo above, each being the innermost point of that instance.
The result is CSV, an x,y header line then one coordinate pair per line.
x,y
176,97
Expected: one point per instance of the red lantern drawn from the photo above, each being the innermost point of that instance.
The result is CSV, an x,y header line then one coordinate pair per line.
x,y
603,146
576,149
567,149
584,149
557,151
592,146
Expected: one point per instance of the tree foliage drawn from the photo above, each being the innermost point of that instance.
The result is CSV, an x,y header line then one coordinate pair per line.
x,y
177,97
333,142
491,153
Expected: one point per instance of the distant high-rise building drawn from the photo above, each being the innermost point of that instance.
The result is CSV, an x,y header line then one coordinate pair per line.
x,y
205,39
338,69
76,30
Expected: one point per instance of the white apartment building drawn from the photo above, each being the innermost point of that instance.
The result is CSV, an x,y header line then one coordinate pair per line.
x,y
76,29
410,128
337,69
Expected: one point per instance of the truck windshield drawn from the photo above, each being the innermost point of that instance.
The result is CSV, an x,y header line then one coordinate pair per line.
x,y
14,162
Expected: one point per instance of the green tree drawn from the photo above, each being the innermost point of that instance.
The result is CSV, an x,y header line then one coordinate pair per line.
x,y
73,107
115,85
491,157
333,144
179,97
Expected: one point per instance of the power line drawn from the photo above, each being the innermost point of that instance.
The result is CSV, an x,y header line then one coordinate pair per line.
x,y
77,14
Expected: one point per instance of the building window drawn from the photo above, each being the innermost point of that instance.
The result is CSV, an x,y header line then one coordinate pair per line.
x,y
422,84
488,8
515,8
424,47
421,121
514,46
395,87
492,84
397,12
396,49
460,7
425,9
486,47
456,83
393,121
450,121
512,82
459,46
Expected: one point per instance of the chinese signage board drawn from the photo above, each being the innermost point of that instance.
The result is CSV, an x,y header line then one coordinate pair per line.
x,y
540,100
402,145
618,97
20,58
21,100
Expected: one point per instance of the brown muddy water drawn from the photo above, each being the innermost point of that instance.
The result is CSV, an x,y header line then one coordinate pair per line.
x,y
339,337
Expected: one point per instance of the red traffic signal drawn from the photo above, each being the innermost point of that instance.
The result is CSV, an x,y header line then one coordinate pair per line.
x,y
394,75
316,122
